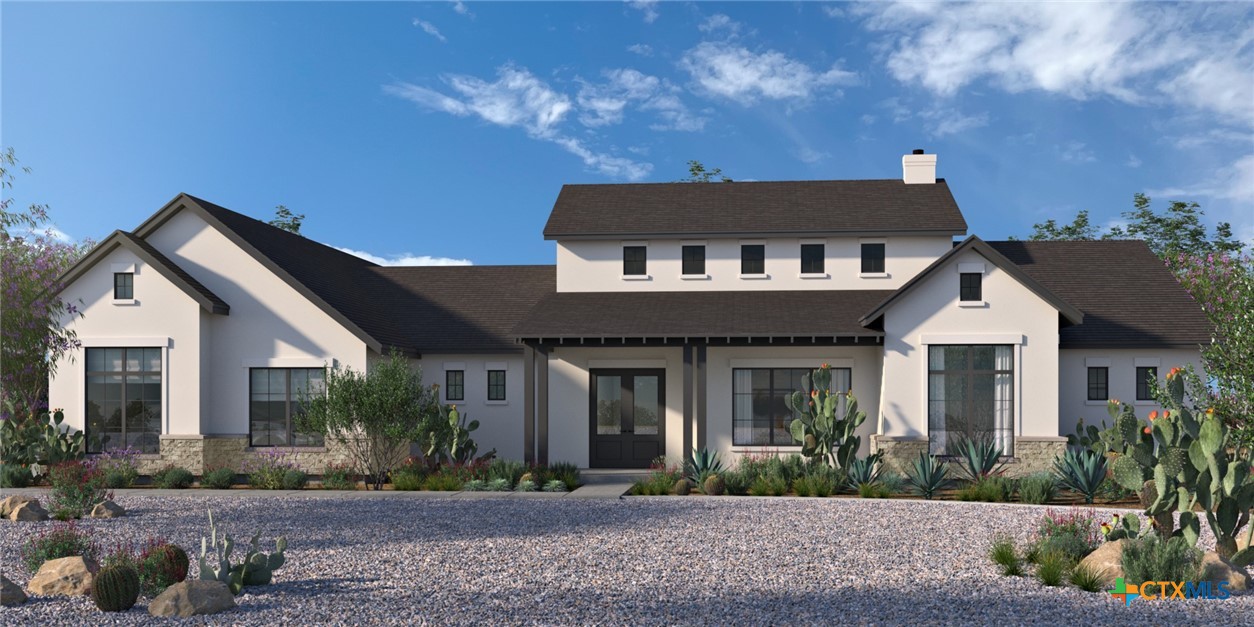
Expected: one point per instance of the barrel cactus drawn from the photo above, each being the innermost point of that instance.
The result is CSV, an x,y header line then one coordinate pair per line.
x,y
819,428
115,588
682,487
714,485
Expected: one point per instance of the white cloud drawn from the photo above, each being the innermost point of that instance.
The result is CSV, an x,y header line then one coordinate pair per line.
x,y
647,7
1076,152
604,104
833,11
1234,182
809,155
942,122
618,167
1139,53
430,29
735,72
867,119
1214,136
718,22
406,259
1133,161
461,8
644,50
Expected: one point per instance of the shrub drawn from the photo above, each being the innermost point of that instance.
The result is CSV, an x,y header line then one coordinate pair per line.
x,y
410,476
509,470
340,477
39,438
1052,568
295,479
770,485
979,459
479,485
927,476
659,482
820,481
1087,579
120,468
736,482
115,588
1152,559
556,485
892,482
218,478
173,478
873,491
701,464
864,470
990,490
61,540
267,469
1082,470
527,485
1039,488
162,565
1071,534
15,476
499,485
442,483
77,487
567,473
1003,554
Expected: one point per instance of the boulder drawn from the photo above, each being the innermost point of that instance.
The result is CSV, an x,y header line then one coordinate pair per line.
x,y
191,598
28,511
8,504
107,509
1106,561
10,593
68,576
1218,569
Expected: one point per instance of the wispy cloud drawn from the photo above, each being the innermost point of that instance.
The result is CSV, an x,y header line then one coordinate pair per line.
x,y
1133,161
719,22
648,9
406,259
732,71
430,29
941,121
1076,152
602,104
644,50
461,8
1234,182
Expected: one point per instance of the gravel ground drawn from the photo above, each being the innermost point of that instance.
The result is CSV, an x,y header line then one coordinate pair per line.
x,y
634,561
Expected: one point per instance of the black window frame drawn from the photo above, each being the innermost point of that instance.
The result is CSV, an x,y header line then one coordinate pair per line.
x,y
635,260
496,389
454,390
693,259
318,439
753,259
969,397
873,257
1145,374
772,391
123,285
92,443
1098,386
812,264
971,287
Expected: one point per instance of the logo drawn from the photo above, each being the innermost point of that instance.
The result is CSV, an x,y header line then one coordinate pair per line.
x,y
1151,590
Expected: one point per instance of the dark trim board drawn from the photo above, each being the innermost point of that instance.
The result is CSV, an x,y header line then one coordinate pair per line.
x,y
870,338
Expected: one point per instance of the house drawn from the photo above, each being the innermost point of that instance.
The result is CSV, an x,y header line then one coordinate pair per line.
x,y
677,316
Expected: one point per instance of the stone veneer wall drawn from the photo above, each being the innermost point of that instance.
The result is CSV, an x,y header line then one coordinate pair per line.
x,y
197,453
1032,454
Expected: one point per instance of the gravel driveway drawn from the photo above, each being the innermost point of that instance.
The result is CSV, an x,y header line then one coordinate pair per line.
x,y
632,561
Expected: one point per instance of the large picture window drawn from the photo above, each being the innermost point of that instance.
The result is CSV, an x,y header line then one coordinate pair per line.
x,y
760,415
970,395
123,399
275,396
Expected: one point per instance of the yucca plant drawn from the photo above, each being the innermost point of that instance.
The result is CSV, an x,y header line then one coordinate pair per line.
x,y
980,459
701,465
1081,470
927,475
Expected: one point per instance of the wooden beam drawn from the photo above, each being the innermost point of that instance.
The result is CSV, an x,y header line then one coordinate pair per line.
x,y
542,407
701,396
529,405
688,427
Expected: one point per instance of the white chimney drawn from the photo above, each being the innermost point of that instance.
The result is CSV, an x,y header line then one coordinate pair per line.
x,y
918,168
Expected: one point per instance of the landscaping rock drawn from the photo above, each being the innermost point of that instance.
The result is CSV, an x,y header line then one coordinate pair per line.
x,y
191,598
107,509
29,511
68,576
8,504
10,593
1218,569
1107,560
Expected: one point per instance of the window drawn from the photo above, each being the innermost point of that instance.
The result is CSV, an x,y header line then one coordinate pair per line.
x,y
274,399
753,259
634,260
1146,377
812,259
123,285
760,415
970,287
872,258
496,385
1099,388
455,385
970,396
694,260
123,399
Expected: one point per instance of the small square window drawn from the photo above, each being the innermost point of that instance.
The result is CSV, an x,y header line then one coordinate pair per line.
x,y
123,285
496,385
455,385
971,287
1099,389
752,259
872,258
1146,377
812,258
634,260
694,260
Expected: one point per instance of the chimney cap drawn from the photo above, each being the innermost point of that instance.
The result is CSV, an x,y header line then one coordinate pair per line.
x,y
918,151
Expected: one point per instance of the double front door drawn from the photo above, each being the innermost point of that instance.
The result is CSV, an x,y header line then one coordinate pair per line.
x,y
628,414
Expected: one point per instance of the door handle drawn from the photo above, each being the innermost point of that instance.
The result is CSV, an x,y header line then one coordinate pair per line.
x,y
626,431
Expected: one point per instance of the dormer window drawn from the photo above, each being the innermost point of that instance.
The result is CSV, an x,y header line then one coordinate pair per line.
x,y
123,286
752,259
635,261
872,258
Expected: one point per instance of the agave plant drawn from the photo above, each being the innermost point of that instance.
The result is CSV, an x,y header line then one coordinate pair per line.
x,y
701,465
1082,470
980,459
927,475
864,471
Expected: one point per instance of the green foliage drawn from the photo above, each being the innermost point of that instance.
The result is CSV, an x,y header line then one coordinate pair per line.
x,y
1052,568
76,488
15,476
160,566
1099,441
1078,230
499,485
863,471
1005,556
115,588
873,491
475,485
824,432
509,470
339,477
1178,230
447,440
1038,488
256,569
1070,534
218,478
988,490
527,485
1151,558
1120,527
927,475
698,174
295,479
714,486
1082,471
286,220
701,464
1086,579
768,485
682,487
441,482
979,459
374,415
41,439
556,485
412,476
820,481
567,473
60,540
173,478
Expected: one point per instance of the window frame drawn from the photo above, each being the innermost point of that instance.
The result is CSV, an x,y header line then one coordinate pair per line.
x,y
449,385
685,259
971,287
1103,385
969,393
1143,375
772,390
821,260
746,258
643,261
287,410
127,284
123,373
878,263
497,386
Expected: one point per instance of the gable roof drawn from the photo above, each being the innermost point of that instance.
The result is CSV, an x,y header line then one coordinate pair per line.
x,y
1068,311
1129,297
209,301
757,208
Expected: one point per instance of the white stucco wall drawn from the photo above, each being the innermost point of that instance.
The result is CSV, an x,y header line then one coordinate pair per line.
x,y
1073,366
597,265
931,314
500,422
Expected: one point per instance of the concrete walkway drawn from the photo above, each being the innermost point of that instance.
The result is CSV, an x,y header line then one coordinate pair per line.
x,y
599,491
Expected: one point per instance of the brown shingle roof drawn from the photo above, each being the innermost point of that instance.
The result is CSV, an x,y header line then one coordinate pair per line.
x,y
1128,296
708,209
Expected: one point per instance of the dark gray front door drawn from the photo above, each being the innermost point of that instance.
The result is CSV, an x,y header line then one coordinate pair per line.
x,y
628,417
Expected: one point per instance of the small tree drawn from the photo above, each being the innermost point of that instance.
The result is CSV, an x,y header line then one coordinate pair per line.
x,y
374,415
698,174
286,220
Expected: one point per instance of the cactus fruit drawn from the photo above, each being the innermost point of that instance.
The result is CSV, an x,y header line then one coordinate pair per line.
x,y
714,485
115,588
819,429
682,488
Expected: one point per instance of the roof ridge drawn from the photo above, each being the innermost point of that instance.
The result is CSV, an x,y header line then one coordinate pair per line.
x,y
641,184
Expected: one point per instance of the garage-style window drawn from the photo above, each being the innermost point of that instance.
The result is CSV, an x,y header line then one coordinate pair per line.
x,y
970,396
123,399
275,397
760,415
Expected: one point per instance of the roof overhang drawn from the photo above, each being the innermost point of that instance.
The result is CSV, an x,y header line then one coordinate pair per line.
x,y
754,234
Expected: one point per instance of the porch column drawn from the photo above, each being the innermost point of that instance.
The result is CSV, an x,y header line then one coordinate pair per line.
x,y
542,406
529,404
687,400
701,388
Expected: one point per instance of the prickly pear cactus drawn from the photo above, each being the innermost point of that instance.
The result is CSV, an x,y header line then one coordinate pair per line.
x,y
819,428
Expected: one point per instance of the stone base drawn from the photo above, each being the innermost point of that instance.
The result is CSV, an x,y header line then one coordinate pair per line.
x,y
899,453
1032,454
198,453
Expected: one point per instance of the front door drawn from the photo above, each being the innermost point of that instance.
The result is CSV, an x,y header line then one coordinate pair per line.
x,y
627,413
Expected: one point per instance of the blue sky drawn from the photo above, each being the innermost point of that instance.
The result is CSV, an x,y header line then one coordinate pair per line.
x,y
422,132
